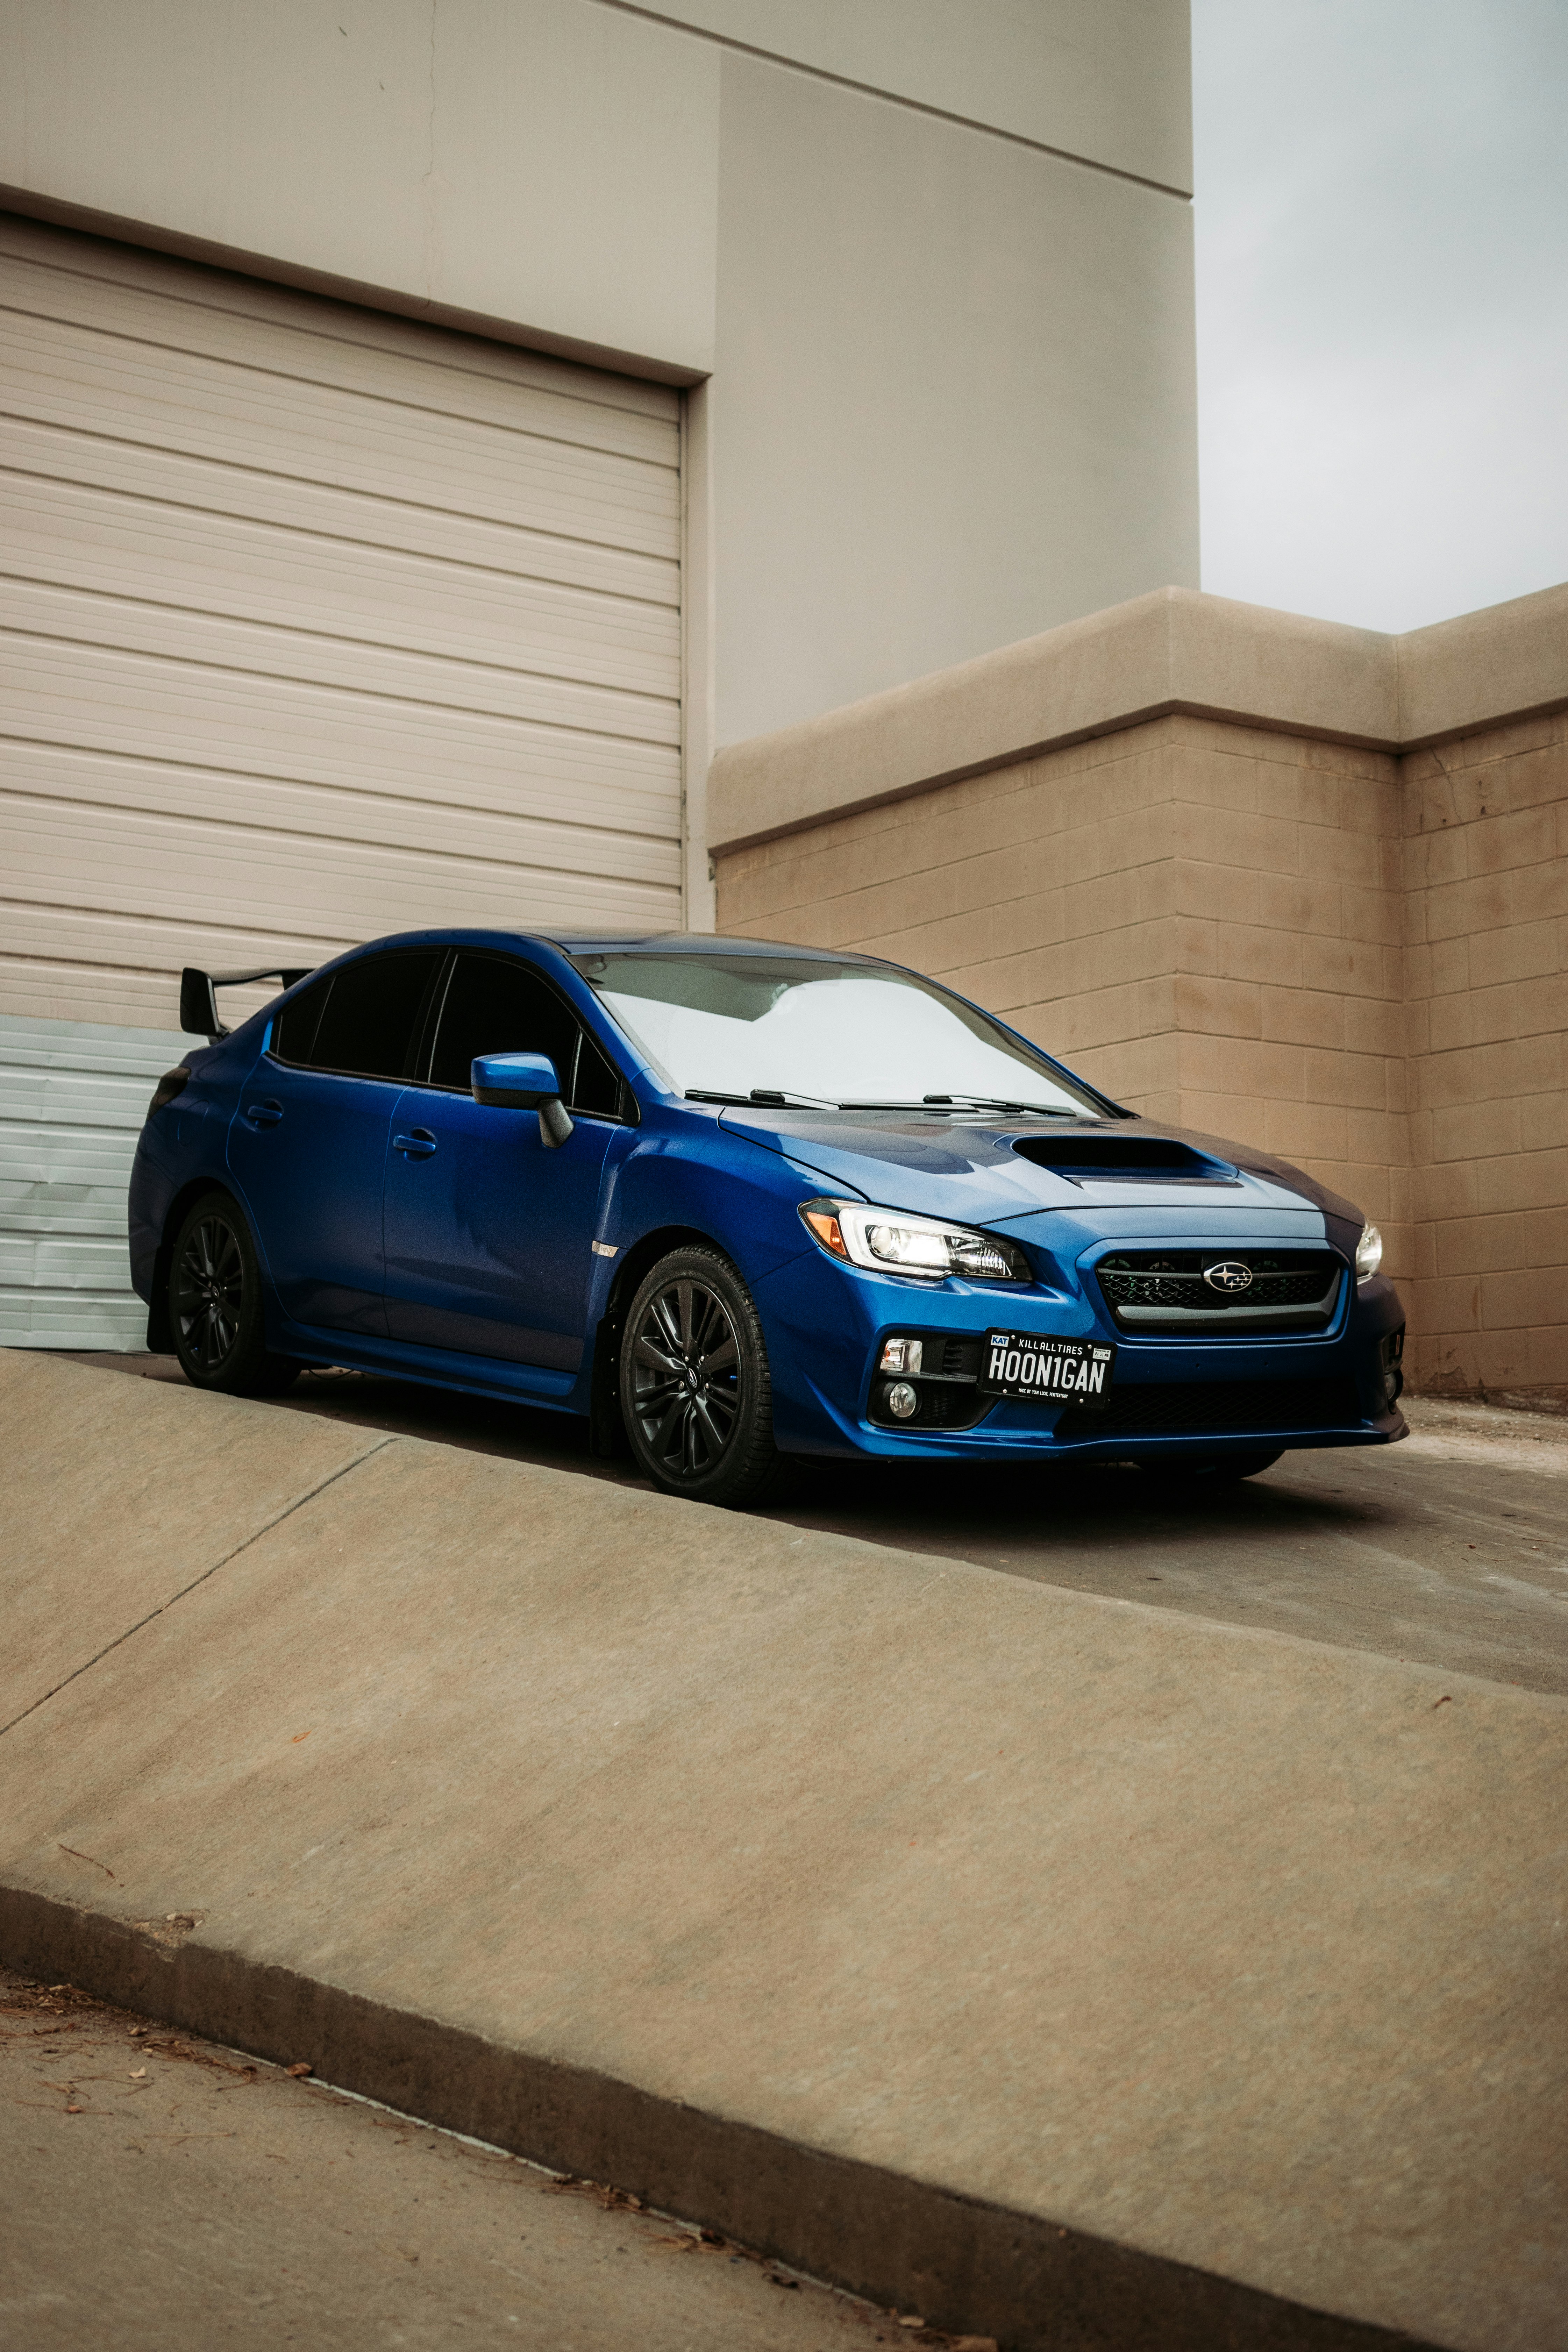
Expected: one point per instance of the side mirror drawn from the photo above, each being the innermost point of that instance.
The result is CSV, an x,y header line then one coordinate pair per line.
x,y
523,1081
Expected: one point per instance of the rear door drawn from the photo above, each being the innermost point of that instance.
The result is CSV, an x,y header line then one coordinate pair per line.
x,y
306,1147
488,1230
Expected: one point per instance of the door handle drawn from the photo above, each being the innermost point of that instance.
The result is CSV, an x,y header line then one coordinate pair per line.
x,y
420,1145
264,1114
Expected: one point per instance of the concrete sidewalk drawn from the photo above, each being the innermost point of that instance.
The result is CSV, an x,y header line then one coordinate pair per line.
x,y
1064,1970
231,2205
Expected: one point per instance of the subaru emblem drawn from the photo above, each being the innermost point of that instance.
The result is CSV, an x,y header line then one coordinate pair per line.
x,y
1230,1275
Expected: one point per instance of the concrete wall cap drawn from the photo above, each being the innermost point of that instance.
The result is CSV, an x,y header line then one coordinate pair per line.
x,y
1507,661
1173,650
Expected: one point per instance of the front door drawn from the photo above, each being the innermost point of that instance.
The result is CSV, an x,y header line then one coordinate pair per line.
x,y
306,1147
487,1228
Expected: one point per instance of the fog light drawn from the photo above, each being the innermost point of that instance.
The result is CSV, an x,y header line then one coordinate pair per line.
x,y
902,1401
1391,1349
902,1355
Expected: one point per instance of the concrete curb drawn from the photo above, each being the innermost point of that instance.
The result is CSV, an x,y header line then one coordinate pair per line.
x,y
966,2265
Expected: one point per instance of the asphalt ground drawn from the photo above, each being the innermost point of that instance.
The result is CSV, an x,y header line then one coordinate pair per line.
x,y
162,2194
1449,1548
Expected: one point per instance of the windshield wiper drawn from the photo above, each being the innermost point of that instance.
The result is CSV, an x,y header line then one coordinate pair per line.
x,y
995,1102
781,1099
764,1098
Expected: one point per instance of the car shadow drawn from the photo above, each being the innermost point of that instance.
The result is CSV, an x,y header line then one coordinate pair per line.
x,y
927,1507
937,1508
920,1507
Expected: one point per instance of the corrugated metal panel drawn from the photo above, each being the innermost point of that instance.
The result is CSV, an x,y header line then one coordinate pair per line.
x,y
72,1098
313,625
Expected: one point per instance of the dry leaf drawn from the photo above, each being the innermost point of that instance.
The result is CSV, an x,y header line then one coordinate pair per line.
x,y
299,2070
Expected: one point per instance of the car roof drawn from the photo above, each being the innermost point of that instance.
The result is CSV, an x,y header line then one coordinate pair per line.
x,y
591,943
577,943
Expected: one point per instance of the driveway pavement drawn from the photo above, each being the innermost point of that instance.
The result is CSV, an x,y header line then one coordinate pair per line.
x,y
1114,1951
1450,1548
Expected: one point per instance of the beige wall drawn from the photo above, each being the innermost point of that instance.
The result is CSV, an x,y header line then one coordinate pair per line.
x,y
1352,956
532,161
1485,850
1084,76
1204,919
954,381
930,266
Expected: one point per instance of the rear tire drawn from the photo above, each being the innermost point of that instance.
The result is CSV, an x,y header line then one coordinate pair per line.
x,y
695,1393
214,1305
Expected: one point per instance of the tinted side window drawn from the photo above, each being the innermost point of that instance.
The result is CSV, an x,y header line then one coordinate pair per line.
x,y
300,1018
496,1006
366,1025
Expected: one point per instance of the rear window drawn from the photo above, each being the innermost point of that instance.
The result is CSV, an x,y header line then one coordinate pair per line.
x,y
361,1021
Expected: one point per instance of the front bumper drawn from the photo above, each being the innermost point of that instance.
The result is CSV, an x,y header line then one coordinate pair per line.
x,y
1211,1398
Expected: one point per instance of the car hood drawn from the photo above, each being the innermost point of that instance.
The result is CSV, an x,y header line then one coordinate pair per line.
x,y
970,1169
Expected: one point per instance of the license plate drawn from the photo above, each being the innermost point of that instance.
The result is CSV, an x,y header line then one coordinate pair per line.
x,y
1025,1364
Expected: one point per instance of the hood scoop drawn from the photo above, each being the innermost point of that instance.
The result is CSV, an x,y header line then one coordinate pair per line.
x,y
1116,1159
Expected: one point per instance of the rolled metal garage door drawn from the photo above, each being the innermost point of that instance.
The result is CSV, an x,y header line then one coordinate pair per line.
x,y
318,624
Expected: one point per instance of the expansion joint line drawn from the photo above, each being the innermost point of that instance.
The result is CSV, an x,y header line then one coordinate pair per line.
x,y
887,97
287,1513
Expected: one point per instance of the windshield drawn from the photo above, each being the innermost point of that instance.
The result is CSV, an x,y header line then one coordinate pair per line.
x,y
848,1034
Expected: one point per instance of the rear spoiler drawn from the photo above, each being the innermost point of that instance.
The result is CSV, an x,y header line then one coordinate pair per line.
x,y
199,1001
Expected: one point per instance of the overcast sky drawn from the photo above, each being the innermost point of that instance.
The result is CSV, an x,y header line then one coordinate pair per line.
x,y
1383,303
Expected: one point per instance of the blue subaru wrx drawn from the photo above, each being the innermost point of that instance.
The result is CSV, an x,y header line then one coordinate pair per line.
x,y
734,1202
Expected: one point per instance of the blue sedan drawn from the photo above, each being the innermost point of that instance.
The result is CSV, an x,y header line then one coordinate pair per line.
x,y
733,1203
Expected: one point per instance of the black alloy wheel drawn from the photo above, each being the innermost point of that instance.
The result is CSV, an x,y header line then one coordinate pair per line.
x,y
694,1393
214,1305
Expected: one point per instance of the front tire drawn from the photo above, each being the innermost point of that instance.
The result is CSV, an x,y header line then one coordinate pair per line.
x,y
214,1305
695,1392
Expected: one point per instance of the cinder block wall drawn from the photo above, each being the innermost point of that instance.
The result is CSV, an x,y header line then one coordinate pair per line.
x,y
1044,890
1355,957
1203,918
1486,977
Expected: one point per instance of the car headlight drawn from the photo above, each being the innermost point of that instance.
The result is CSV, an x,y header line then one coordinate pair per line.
x,y
1368,1253
891,1241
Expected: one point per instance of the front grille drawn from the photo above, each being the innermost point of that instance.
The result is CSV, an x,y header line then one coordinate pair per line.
x,y
1214,1408
960,1360
1155,1290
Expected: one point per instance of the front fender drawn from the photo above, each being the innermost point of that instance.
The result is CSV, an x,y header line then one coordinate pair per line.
x,y
743,1197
